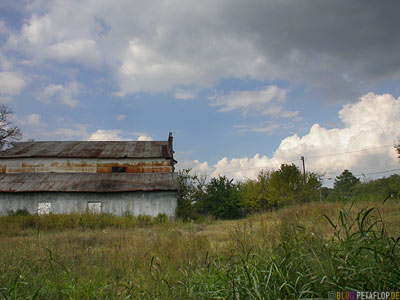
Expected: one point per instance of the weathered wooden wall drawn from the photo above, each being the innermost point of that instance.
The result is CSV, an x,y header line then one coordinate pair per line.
x,y
85,165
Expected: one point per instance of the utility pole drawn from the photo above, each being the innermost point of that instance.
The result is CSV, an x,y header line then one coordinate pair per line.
x,y
304,170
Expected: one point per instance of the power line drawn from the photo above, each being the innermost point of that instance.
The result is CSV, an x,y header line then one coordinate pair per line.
x,y
316,156
355,151
364,174
380,172
262,167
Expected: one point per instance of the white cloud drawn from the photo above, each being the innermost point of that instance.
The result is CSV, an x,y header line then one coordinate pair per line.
x,y
63,94
279,111
32,120
120,117
115,135
144,138
107,135
195,165
11,83
268,129
371,122
74,133
249,100
184,94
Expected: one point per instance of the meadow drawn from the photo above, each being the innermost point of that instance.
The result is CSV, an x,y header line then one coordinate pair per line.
x,y
297,252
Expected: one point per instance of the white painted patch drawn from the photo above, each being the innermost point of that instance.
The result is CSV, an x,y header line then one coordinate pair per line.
x,y
94,207
44,208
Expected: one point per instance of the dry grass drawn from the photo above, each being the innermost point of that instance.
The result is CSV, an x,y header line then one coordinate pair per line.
x,y
111,263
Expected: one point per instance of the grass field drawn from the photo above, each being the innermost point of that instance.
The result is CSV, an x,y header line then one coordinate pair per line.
x,y
298,252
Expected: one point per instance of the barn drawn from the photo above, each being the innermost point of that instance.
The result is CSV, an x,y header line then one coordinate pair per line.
x,y
114,177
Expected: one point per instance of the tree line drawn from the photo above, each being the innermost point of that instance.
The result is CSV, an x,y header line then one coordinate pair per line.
x,y
224,198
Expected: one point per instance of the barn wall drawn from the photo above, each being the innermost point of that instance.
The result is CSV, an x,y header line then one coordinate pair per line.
x,y
86,165
135,203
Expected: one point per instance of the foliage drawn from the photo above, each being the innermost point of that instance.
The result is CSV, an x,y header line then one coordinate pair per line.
x,y
18,212
378,189
373,190
8,131
344,185
254,193
190,195
222,199
287,186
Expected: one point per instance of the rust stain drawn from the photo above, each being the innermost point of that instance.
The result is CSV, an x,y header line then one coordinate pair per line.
x,y
142,167
26,165
160,166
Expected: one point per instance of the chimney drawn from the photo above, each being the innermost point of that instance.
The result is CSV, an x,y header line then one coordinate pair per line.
x,y
170,139
170,146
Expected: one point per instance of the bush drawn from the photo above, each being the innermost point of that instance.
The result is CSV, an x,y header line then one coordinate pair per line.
x,y
18,212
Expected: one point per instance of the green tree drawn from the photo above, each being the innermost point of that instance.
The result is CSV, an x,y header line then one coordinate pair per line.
x,y
222,199
286,185
254,193
190,194
344,184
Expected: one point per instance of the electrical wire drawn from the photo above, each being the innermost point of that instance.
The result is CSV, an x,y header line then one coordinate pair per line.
x,y
316,156
348,152
261,167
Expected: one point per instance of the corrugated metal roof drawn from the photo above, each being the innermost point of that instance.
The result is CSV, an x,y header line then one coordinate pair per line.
x,y
117,149
87,182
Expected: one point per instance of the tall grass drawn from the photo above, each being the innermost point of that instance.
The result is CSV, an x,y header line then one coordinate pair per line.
x,y
17,223
301,252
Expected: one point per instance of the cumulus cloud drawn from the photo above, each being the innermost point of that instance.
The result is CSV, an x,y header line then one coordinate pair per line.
x,y
63,94
370,123
196,166
157,45
144,138
115,135
11,83
107,135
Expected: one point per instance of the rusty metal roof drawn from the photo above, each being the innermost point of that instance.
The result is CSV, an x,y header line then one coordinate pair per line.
x,y
87,182
92,149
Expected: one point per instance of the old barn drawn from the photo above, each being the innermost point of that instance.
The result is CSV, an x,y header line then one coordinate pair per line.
x,y
115,177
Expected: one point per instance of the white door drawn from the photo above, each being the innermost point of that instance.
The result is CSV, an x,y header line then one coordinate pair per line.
x,y
44,208
94,207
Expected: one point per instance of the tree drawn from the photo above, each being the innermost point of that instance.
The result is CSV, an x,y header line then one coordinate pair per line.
x,y
254,193
8,131
191,192
345,183
286,185
222,199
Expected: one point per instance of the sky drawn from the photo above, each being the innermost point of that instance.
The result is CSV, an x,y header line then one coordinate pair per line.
x,y
243,85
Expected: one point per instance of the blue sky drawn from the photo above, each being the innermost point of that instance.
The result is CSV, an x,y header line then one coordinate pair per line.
x,y
243,85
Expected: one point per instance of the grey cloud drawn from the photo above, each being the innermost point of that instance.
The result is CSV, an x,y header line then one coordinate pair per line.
x,y
150,46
